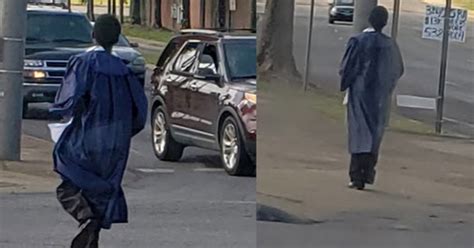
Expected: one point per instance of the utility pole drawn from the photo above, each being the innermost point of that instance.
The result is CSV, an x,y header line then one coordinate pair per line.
x,y
362,9
12,42
109,7
396,17
308,47
443,67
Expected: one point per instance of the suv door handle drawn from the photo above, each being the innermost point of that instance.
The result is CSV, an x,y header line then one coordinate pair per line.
x,y
193,86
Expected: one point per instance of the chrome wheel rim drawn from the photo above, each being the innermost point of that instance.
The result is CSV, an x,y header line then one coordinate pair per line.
x,y
230,147
159,133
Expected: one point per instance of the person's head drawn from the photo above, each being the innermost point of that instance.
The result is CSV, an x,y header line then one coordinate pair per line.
x,y
378,18
107,30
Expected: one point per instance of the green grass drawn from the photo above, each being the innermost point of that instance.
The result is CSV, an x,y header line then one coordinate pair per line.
x,y
147,33
330,105
468,4
151,57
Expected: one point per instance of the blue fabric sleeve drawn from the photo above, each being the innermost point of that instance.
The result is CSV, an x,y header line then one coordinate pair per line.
x,y
140,104
74,87
349,68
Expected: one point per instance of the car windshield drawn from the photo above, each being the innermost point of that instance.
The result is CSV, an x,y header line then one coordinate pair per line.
x,y
345,2
241,58
122,42
43,28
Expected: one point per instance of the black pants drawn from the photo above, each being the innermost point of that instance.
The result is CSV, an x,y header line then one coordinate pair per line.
x,y
362,167
73,201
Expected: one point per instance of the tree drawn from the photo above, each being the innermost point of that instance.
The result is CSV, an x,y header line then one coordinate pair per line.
x,y
158,23
135,11
275,44
90,10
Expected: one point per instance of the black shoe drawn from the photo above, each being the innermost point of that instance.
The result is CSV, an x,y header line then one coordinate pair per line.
x,y
357,185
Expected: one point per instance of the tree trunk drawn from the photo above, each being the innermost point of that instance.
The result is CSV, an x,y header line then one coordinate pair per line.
x,y
158,23
90,10
135,11
275,45
143,12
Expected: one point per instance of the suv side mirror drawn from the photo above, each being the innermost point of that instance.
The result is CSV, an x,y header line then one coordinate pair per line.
x,y
134,44
208,74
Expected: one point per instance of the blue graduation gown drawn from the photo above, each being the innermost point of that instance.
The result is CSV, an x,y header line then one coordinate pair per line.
x,y
370,69
109,107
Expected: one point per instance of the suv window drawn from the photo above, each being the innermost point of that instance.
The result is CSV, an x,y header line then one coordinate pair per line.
x,y
345,2
47,28
187,57
168,53
208,61
241,58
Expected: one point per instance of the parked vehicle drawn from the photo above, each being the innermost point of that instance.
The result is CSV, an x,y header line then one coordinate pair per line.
x,y
341,10
204,95
53,36
60,3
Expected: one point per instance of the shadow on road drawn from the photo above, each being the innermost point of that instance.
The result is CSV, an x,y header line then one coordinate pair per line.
x,y
209,161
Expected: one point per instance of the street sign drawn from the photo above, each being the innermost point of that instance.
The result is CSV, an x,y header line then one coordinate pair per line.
x,y
434,23
232,5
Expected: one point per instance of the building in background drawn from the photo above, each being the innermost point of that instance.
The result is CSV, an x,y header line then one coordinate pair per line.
x,y
179,14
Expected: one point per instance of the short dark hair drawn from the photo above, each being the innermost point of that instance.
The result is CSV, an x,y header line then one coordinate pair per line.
x,y
378,18
107,30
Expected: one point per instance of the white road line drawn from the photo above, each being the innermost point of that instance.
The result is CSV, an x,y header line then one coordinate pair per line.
x,y
234,202
209,169
416,102
158,170
459,122
451,83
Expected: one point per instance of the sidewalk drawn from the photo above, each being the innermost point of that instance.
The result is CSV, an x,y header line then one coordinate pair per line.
x,y
303,161
34,173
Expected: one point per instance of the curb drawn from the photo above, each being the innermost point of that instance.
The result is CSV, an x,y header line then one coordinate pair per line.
x,y
148,43
33,173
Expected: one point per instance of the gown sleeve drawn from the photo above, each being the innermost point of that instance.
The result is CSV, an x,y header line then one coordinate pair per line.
x,y
349,67
69,98
140,104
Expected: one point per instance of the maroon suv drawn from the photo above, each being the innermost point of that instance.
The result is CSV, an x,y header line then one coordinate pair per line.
x,y
204,95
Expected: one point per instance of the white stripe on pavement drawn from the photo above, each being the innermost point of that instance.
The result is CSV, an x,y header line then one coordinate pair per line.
x,y
209,169
234,202
416,102
158,170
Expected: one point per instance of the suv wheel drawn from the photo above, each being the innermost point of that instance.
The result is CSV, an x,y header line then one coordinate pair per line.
x,y
164,146
234,156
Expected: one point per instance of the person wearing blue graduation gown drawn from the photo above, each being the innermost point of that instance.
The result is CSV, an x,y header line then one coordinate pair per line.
x,y
370,69
108,107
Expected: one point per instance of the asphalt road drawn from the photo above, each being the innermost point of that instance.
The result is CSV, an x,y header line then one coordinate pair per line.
x,y
193,203
422,61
